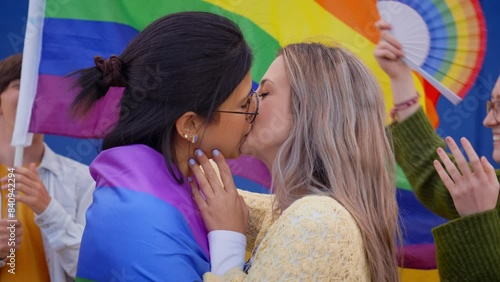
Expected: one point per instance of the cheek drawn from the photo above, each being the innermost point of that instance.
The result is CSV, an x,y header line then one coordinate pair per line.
x,y
9,107
226,136
272,126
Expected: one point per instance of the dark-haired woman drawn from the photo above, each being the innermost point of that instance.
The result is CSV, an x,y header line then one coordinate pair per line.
x,y
187,85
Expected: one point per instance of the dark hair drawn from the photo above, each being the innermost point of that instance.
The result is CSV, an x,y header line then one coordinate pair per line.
x,y
10,70
189,61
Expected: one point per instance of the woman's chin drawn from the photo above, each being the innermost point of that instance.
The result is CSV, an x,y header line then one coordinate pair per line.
x,y
246,148
496,155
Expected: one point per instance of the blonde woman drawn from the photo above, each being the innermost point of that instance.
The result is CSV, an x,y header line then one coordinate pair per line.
x,y
320,131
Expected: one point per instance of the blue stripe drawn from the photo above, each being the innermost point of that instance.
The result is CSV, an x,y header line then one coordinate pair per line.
x,y
69,45
249,185
416,221
136,236
437,29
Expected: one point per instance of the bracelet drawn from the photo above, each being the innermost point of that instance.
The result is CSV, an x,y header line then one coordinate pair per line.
x,y
403,106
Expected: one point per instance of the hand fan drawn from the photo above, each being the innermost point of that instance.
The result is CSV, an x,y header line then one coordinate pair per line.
x,y
443,40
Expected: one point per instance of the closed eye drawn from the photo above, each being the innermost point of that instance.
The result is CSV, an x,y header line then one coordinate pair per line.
x,y
263,95
247,104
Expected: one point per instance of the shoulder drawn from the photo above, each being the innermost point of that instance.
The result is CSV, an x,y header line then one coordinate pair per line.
x,y
322,217
71,172
315,237
318,208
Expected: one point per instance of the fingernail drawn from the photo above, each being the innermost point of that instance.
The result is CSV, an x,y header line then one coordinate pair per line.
x,y
216,152
190,179
198,153
192,162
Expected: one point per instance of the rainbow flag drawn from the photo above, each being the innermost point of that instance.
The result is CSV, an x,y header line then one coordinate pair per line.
x,y
73,32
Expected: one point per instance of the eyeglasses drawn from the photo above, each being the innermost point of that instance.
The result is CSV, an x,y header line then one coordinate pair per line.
x,y
495,106
251,107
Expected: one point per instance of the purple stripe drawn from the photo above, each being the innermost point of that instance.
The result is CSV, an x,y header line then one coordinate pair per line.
x,y
51,110
419,256
140,168
252,169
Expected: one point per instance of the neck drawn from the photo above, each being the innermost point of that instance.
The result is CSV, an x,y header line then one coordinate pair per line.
x,y
267,158
182,153
32,154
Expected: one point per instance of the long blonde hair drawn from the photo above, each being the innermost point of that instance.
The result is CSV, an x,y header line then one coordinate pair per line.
x,y
338,147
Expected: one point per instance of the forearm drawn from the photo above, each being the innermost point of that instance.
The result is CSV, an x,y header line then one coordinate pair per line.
x,y
403,89
468,248
415,144
63,234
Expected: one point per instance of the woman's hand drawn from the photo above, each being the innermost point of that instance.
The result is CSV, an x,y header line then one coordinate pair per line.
x,y
389,53
221,206
472,191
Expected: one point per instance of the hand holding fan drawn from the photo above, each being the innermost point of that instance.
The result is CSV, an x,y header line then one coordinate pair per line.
x,y
443,40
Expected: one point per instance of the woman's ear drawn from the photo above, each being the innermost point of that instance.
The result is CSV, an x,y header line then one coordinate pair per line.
x,y
188,125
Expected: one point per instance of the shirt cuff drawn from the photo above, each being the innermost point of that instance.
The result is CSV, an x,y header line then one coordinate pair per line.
x,y
51,219
227,250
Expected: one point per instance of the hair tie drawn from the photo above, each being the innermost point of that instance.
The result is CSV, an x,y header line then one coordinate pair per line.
x,y
111,69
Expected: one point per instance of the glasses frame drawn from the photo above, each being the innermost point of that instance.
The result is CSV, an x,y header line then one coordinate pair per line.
x,y
495,106
250,118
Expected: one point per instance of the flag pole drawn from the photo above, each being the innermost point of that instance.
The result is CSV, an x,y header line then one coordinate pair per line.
x,y
29,80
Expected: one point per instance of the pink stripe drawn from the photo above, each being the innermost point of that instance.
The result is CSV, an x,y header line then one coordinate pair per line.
x,y
51,110
419,256
252,169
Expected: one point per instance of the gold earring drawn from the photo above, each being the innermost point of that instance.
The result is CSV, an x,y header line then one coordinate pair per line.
x,y
194,139
191,139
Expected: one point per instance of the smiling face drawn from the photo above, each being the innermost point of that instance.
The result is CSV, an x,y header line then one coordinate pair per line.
x,y
273,124
491,122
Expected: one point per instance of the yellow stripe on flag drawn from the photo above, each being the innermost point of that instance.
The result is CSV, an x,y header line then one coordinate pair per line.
x,y
305,20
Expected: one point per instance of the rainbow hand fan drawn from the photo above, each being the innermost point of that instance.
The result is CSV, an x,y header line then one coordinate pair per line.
x,y
443,40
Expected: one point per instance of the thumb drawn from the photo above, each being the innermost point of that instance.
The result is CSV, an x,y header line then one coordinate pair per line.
x,y
32,167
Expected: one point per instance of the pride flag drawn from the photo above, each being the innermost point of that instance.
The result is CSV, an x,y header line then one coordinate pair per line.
x,y
138,203
71,33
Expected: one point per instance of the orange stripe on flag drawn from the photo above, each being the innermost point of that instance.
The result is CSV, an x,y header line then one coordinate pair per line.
x,y
360,15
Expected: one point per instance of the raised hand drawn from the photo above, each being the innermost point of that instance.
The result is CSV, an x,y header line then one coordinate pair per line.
x,y
473,191
389,53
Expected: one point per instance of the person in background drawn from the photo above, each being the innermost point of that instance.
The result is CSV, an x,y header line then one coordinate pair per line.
x,y
53,195
468,247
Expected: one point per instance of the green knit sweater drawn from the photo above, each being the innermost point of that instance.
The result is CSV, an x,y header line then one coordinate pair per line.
x,y
468,248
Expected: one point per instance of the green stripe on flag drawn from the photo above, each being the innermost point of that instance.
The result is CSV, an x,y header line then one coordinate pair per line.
x,y
78,279
401,180
139,14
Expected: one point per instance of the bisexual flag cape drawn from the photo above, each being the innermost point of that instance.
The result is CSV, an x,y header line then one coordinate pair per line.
x,y
142,224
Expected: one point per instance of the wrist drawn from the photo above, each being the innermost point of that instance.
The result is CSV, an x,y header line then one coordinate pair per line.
x,y
403,87
42,208
405,108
